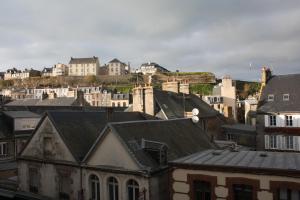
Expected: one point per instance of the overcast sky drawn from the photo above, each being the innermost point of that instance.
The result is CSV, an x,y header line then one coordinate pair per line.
x,y
220,36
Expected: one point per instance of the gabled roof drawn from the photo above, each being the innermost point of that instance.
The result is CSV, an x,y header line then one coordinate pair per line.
x,y
174,104
181,136
245,160
83,60
47,70
115,60
79,129
277,86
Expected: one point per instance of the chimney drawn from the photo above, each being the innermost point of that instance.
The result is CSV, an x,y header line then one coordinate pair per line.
x,y
109,113
266,75
143,99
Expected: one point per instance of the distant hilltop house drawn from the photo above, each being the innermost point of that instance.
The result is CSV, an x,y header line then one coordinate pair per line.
x,y
14,73
2,75
278,112
57,70
151,68
60,70
47,72
84,66
117,68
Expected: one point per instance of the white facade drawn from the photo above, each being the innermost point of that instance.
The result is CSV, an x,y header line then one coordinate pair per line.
x,y
60,70
282,141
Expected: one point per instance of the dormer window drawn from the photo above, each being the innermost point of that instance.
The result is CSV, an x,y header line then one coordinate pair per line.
x,y
271,97
286,97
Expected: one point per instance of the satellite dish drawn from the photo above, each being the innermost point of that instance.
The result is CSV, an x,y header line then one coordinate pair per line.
x,y
195,111
195,119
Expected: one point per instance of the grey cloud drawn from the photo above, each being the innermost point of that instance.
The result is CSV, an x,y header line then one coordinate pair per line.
x,y
207,35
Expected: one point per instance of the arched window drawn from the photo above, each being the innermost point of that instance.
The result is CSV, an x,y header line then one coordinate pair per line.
x,y
132,190
113,104
94,187
113,189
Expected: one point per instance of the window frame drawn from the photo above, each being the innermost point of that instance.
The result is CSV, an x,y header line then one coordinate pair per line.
x,y
134,187
275,185
288,120
273,140
271,97
286,97
230,181
96,184
3,148
272,120
289,142
199,177
115,185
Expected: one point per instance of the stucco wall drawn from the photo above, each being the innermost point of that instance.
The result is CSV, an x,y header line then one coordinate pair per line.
x,y
35,148
181,187
122,181
49,178
111,152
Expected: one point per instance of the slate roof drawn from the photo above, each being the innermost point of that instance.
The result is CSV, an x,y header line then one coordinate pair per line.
x,y
279,85
83,60
79,129
247,160
172,104
115,60
47,70
59,101
181,136
240,127
21,114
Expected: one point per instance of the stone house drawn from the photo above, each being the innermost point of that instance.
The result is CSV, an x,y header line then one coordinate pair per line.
x,y
117,68
60,70
278,113
84,66
119,100
239,175
90,155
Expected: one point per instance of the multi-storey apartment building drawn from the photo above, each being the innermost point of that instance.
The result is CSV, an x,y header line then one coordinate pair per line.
x,y
223,98
278,113
116,68
84,66
60,70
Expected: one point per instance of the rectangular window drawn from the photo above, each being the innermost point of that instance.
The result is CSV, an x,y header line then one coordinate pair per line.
x,y
273,141
242,192
64,187
286,97
33,180
289,140
272,120
289,120
202,190
3,148
270,97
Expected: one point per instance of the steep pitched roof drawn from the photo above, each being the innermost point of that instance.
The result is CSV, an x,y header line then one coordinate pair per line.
x,y
79,129
277,86
174,105
115,60
181,136
83,60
